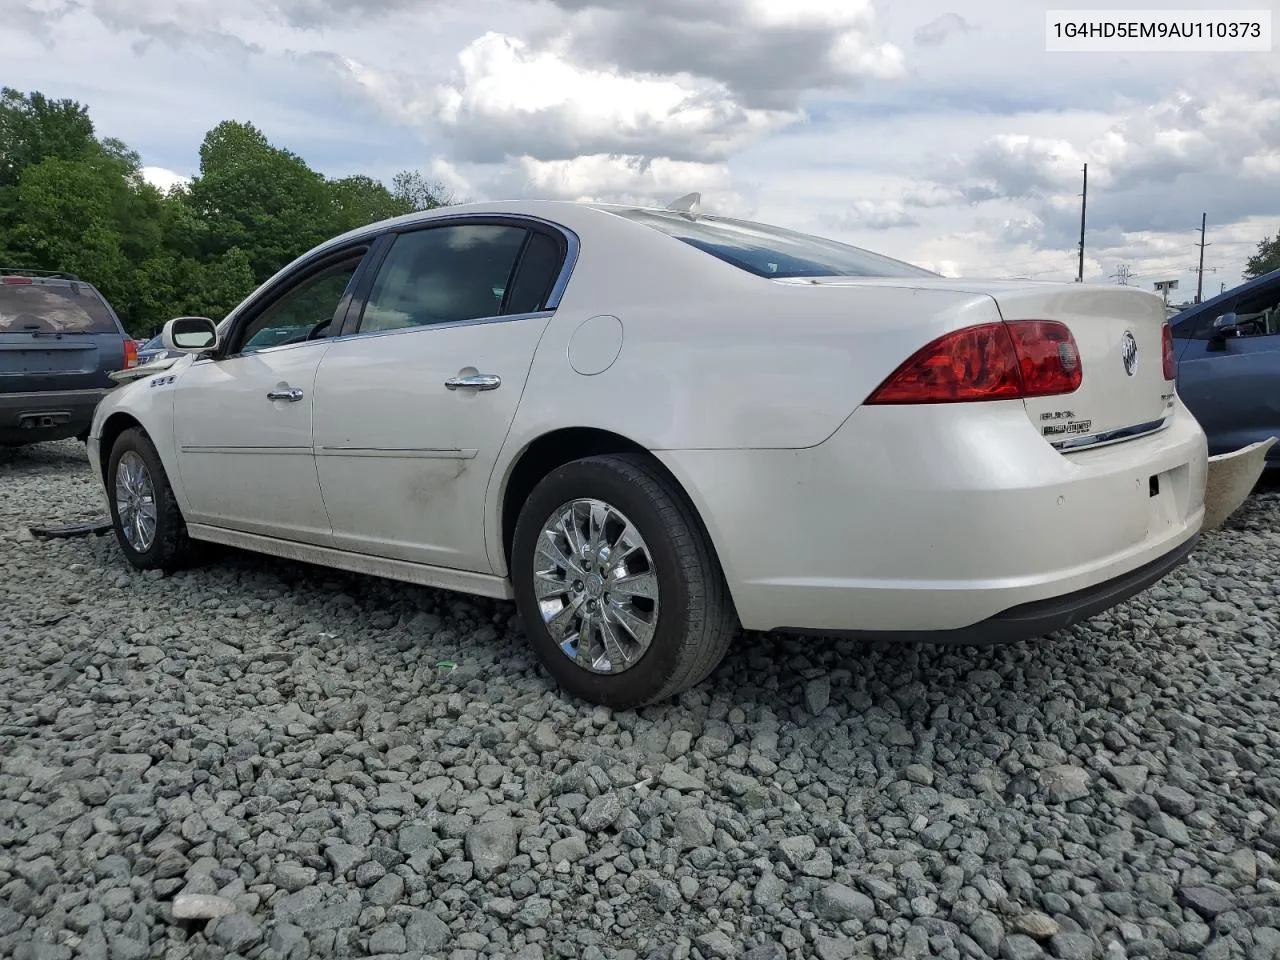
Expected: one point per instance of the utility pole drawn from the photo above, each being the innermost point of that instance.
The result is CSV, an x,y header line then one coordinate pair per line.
x,y
1204,217
1084,197
1123,275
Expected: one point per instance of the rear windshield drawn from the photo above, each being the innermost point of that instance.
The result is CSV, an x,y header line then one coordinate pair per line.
x,y
41,308
772,251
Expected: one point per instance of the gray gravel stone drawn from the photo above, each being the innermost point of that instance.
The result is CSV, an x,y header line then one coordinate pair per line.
x,y
196,906
492,845
572,849
426,933
1073,946
1205,901
1174,800
237,932
281,738
1066,783
1018,946
838,903
601,813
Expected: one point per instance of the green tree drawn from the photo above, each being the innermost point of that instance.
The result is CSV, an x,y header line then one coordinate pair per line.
x,y
72,201
360,200
1266,259
65,222
34,128
262,199
420,193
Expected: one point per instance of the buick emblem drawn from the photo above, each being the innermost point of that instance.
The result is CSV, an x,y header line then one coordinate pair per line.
x,y
1129,353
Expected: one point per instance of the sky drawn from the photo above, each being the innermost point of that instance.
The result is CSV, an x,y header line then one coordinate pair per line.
x,y
937,131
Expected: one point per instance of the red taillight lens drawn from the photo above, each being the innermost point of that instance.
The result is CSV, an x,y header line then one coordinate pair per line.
x,y
993,361
130,353
1170,362
1048,356
15,279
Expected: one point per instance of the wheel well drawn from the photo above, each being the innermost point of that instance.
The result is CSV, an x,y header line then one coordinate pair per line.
x,y
116,424
554,450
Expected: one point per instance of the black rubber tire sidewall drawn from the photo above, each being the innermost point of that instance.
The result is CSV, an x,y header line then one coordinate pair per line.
x,y
167,549
593,479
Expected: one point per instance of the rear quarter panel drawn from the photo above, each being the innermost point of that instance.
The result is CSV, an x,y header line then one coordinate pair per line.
x,y
716,358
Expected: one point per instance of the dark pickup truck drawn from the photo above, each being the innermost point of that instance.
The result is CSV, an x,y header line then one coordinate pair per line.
x,y
59,342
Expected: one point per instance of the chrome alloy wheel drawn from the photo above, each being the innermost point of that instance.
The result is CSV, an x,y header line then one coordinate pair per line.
x,y
136,502
596,586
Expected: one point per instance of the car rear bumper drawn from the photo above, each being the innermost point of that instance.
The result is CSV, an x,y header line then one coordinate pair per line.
x,y
47,415
1037,618
918,522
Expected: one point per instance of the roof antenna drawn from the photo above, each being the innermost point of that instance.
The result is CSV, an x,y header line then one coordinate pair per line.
x,y
686,204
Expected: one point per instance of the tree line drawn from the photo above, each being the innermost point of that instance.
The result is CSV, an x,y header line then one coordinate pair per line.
x,y
75,202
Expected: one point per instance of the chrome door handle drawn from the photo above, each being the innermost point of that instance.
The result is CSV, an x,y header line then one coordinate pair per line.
x,y
477,381
293,394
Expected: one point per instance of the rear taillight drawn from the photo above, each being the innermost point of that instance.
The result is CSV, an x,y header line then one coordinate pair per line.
x,y
1170,362
15,280
130,353
993,361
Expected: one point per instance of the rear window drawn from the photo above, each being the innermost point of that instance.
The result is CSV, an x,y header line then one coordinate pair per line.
x,y
40,308
768,251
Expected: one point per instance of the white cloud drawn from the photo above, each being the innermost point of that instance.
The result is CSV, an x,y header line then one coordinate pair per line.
x,y
509,99
933,133
768,53
162,179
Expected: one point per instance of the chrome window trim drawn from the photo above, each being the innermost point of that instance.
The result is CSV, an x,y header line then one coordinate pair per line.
x,y
421,327
1119,435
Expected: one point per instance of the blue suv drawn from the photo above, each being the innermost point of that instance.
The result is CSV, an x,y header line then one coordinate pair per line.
x,y
59,342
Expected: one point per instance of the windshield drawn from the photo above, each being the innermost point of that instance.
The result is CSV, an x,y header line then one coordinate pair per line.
x,y
44,308
768,251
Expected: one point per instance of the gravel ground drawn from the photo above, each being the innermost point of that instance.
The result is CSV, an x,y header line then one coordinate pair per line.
x,y
289,747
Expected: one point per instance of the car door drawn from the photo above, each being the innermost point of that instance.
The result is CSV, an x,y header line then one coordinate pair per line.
x,y
1232,384
413,406
243,419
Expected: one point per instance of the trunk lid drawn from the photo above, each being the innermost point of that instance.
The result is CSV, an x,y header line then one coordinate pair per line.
x,y
1116,400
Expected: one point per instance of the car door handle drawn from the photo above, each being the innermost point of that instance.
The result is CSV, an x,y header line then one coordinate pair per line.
x,y
477,381
292,394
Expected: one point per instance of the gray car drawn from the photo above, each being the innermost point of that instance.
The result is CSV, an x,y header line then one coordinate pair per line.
x,y
59,342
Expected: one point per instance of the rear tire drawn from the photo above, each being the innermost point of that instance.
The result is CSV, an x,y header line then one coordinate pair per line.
x,y
144,512
650,542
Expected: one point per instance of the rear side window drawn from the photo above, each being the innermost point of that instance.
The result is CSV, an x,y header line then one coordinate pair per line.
x,y
539,269
444,275
40,308
775,252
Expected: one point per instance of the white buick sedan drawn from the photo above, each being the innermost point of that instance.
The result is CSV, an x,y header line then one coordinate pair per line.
x,y
651,427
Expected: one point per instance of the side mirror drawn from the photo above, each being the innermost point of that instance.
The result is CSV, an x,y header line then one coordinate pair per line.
x,y
190,335
1223,327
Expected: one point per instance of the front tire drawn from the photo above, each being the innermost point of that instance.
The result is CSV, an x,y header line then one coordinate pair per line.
x,y
618,586
144,512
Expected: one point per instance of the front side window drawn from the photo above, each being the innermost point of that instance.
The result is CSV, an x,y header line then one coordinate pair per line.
x,y
444,275
774,252
1259,314
302,311
46,308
